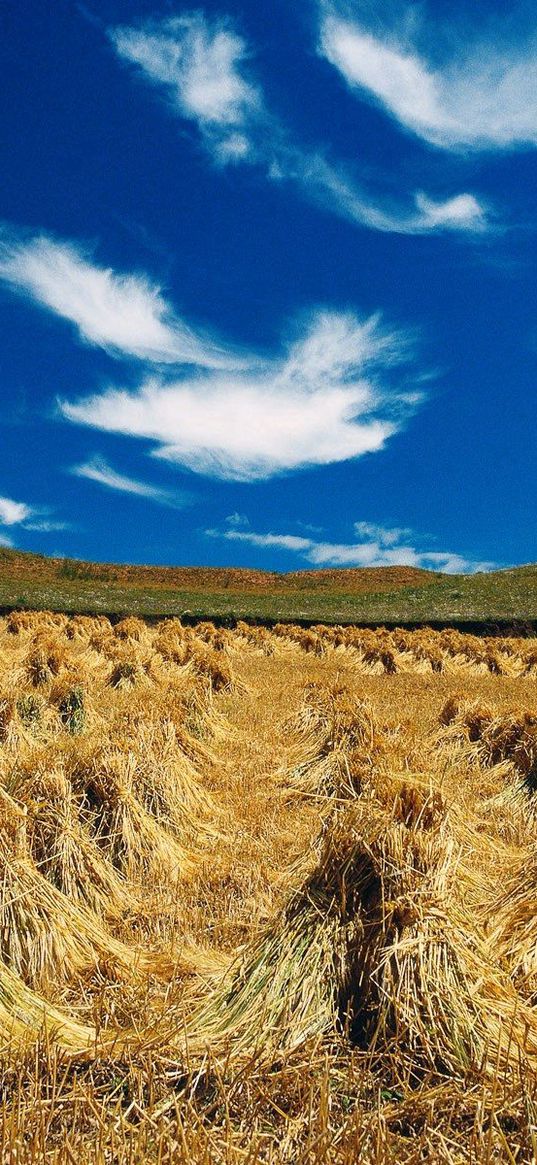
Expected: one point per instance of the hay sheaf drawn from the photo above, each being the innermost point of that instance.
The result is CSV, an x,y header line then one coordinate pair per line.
x,y
490,739
45,937
334,742
377,945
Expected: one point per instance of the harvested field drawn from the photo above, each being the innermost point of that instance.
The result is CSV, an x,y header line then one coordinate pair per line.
x,y
266,895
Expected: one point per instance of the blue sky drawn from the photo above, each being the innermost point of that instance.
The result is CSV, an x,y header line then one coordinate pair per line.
x,y
267,282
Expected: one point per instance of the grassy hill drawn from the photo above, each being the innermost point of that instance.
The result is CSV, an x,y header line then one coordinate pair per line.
x,y
367,595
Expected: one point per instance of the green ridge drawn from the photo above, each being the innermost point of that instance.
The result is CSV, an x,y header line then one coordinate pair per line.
x,y
323,596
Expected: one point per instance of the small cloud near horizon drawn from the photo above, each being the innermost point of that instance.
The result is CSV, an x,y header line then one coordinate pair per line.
x,y
375,546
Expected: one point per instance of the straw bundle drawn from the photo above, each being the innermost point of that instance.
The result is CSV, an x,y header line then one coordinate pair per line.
x,y
82,627
494,739
138,845
215,637
335,742
166,783
511,918
44,936
45,658
132,629
376,942
171,642
378,655
211,665
18,622
63,850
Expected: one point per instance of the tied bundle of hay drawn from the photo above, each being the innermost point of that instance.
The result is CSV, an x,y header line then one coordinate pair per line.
x,y
171,642
494,739
82,627
20,622
465,718
375,649
62,848
215,637
377,945
132,629
211,665
126,671
44,936
374,656
510,918
166,783
30,709
423,648
44,660
71,708
133,840
335,742
260,639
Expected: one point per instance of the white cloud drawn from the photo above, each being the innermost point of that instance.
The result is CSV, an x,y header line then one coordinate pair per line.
x,y
34,518
329,398
379,547
125,314
380,534
463,212
237,521
337,191
97,469
47,526
13,513
483,97
201,65
266,541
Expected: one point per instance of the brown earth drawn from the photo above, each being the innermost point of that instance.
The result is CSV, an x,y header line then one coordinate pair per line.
x,y
21,566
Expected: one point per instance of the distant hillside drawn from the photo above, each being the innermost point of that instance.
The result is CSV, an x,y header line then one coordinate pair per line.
x,y
390,595
20,566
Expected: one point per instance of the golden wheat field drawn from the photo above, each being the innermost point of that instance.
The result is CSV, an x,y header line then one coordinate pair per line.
x,y
266,896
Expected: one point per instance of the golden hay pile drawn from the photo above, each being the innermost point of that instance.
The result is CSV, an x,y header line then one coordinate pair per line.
x,y
266,895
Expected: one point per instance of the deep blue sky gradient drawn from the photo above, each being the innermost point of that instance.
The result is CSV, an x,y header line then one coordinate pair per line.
x,y
91,155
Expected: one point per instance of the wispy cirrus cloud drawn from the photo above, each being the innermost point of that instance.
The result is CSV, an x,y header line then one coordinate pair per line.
x,y
481,94
47,525
337,392
265,541
125,314
202,65
373,546
98,469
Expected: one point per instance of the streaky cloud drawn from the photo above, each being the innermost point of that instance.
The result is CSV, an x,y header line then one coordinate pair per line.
x,y
374,546
34,518
337,392
201,64
13,513
97,469
482,96
123,313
